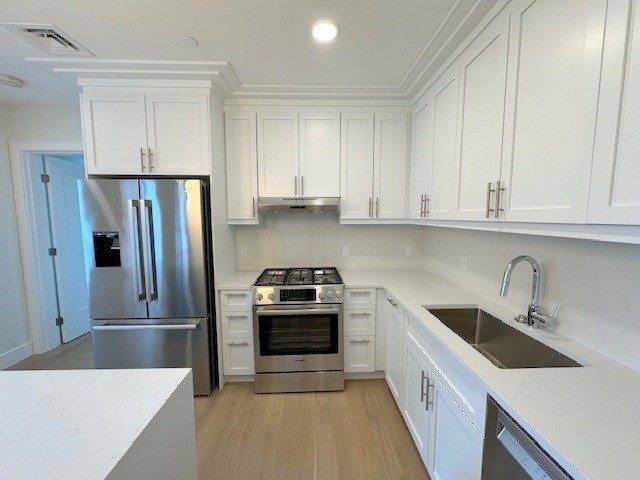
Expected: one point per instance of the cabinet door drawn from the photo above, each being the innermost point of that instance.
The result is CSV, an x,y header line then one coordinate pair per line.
x,y
555,52
238,357
115,133
242,166
455,446
359,354
319,154
359,322
444,98
237,325
356,165
483,71
416,407
614,195
422,135
178,134
278,174
390,165
395,344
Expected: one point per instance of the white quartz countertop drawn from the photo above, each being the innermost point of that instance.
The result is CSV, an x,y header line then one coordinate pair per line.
x,y
586,418
76,424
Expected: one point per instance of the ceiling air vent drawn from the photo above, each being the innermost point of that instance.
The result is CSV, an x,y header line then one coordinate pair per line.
x,y
50,39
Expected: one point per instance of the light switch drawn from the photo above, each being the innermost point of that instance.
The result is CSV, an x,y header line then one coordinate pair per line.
x,y
463,263
345,251
243,252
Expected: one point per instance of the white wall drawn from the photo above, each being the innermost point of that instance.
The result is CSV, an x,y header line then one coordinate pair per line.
x,y
44,122
598,283
312,240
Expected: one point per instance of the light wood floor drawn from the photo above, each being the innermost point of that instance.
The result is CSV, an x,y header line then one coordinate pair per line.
x,y
350,435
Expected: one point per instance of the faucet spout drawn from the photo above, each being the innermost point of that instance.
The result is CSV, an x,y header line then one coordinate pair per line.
x,y
506,278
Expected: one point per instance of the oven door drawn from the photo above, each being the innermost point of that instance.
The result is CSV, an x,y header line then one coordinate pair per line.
x,y
297,338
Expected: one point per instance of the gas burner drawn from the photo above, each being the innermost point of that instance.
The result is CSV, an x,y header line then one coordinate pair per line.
x,y
299,276
298,286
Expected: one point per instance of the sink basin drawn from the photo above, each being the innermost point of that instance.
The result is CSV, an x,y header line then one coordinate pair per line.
x,y
503,345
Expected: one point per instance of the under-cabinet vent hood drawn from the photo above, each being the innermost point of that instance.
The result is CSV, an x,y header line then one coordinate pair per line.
x,y
319,205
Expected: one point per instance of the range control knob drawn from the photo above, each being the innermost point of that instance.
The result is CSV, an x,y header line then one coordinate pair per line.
x,y
322,295
271,296
331,294
338,293
259,296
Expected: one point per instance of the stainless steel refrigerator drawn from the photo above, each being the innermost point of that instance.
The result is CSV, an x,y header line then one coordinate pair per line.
x,y
147,250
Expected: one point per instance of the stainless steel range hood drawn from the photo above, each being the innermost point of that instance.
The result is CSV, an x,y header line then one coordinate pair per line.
x,y
319,205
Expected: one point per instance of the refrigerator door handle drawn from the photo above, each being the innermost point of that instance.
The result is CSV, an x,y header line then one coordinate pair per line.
x,y
150,252
138,268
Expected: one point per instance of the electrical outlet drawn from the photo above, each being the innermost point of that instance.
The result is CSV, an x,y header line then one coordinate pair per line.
x,y
345,251
463,263
243,252
408,250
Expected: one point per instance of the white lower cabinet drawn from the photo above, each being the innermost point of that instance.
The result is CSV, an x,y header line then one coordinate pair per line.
x,y
359,354
238,357
455,446
416,406
395,344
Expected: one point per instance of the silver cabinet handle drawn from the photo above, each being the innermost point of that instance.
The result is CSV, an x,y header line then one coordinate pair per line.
x,y
150,159
359,314
429,400
302,185
254,208
490,190
422,391
238,343
142,165
364,340
235,316
295,185
370,207
421,206
233,294
392,302
499,188
377,208
426,205
360,292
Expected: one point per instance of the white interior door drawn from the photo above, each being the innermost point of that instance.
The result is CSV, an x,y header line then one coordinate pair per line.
x,y
319,154
64,211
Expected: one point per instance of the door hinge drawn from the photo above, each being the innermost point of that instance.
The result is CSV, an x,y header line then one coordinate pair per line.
x,y
44,178
53,251
59,321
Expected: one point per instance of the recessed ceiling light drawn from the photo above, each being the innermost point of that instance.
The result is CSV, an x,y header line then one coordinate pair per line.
x,y
190,41
324,31
11,81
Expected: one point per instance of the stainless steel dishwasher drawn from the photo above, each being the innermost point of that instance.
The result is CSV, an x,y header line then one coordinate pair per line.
x,y
511,454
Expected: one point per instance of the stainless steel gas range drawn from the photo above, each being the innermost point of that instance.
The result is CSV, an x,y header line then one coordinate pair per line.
x,y
298,330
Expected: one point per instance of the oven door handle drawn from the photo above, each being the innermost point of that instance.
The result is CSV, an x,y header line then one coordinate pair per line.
x,y
263,312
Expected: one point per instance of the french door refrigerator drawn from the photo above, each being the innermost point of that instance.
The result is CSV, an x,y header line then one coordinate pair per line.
x,y
147,250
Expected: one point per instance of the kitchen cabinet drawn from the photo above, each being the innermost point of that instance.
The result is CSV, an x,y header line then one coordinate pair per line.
x,y
374,166
455,446
443,95
359,354
237,332
319,154
553,80
298,154
146,133
421,161
237,356
242,167
359,322
483,69
614,195
395,345
417,402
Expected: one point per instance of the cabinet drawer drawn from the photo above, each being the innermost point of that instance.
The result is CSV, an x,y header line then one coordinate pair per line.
x,y
359,353
235,300
238,357
360,298
468,393
359,322
237,325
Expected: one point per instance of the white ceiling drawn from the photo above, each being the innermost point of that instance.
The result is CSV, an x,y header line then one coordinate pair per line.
x,y
383,46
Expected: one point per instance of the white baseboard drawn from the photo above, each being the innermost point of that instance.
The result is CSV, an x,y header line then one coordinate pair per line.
x,y
12,357
364,375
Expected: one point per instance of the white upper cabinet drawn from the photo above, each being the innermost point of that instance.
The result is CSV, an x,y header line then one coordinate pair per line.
x,y
178,134
115,133
146,134
242,166
390,165
422,134
443,95
615,184
356,164
483,71
278,166
319,155
555,51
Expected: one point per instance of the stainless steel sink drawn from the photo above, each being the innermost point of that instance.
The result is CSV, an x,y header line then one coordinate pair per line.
x,y
503,345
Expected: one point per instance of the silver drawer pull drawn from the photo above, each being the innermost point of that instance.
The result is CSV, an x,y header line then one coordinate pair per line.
x,y
363,314
238,343
236,316
235,294
392,302
364,340
360,292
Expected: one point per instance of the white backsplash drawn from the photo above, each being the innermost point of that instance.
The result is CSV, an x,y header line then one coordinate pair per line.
x,y
596,284
313,240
